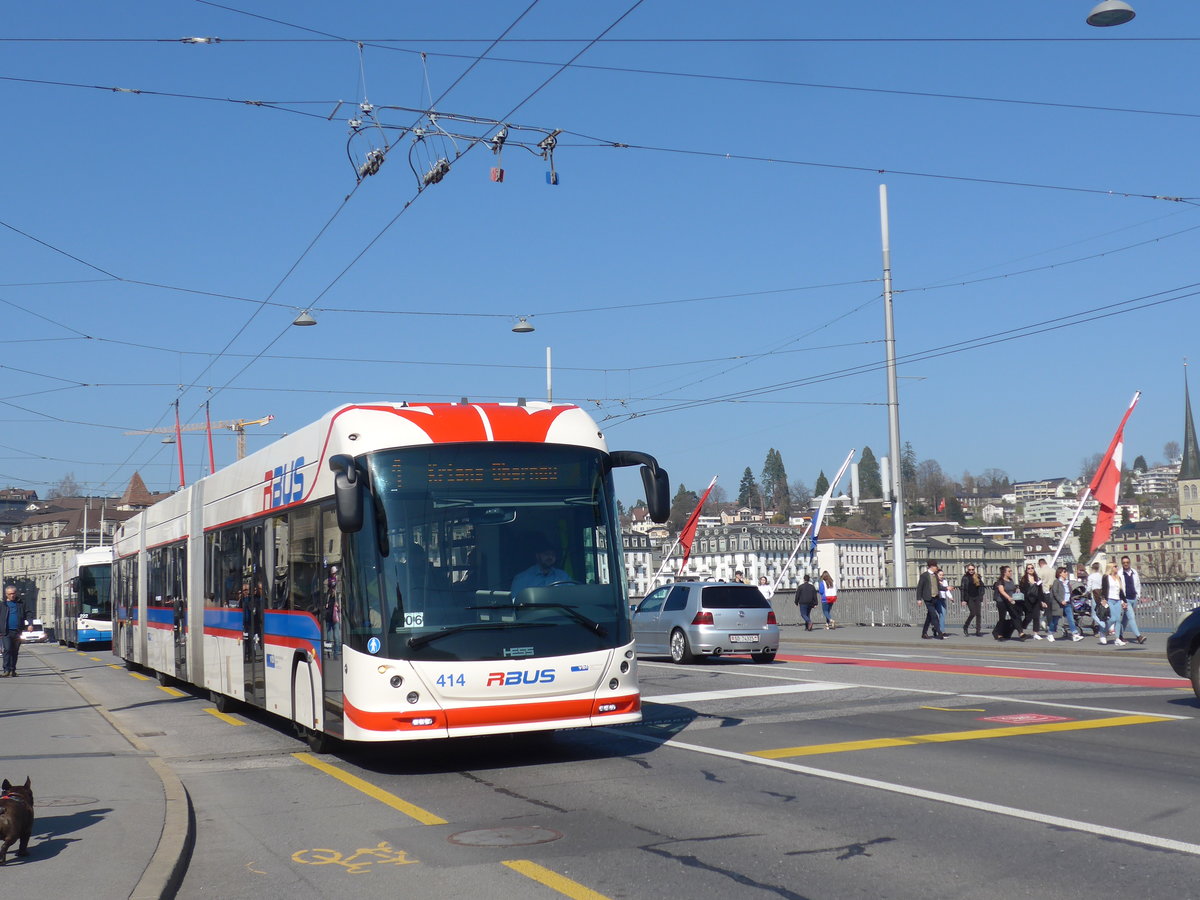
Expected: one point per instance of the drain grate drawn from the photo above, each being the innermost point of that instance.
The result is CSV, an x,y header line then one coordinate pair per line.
x,y
510,836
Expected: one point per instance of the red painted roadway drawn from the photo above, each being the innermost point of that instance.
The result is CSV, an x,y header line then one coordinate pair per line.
x,y
995,672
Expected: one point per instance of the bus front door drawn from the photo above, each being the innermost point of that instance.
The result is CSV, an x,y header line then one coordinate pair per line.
x,y
252,651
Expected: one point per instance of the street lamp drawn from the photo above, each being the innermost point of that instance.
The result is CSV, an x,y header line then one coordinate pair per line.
x,y
1110,12
522,326
304,319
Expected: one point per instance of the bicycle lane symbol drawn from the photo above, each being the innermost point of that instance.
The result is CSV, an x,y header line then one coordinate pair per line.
x,y
359,861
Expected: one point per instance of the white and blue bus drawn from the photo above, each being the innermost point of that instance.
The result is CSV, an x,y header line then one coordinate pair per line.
x,y
83,598
357,576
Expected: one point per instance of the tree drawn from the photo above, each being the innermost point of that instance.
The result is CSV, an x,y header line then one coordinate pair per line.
x,y
931,481
994,482
1171,451
839,515
822,485
1125,518
1139,464
1087,531
1089,464
908,472
968,482
801,496
954,510
774,482
717,498
681,507
870,482
66,486
748,493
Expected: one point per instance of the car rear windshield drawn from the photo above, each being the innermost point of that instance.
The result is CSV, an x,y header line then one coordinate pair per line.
x,y
733,597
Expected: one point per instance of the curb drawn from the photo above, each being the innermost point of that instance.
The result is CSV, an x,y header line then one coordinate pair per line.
x,y
164,873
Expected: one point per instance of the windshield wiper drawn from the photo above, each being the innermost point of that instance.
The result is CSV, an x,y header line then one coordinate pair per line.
x,y
420,640
594,627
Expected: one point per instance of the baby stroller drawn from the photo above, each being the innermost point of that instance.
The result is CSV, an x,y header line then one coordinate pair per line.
x,y
1081,608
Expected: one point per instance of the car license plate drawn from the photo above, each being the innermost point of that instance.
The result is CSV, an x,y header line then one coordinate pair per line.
x,y
744,638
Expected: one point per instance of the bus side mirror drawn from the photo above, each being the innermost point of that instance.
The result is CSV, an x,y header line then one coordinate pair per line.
x,y
654,479
347,493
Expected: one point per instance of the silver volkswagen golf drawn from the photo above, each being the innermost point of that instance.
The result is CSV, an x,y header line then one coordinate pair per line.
x,y
706,619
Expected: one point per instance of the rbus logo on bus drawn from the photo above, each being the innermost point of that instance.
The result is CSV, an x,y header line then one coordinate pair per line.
x,y
283,484
508,679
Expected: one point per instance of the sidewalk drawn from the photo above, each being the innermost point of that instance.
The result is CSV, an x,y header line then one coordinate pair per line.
x,y
794,639
110,820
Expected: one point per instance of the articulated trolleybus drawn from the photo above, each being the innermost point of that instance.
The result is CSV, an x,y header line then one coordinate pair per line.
x,y
83,598
396,572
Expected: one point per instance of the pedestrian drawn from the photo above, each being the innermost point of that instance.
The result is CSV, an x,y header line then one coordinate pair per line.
x,y
1060,597
1034,602
970,592
1008,612
739,577
1093,581
765,588
828,598
1111,587
1101,617
944,590
807,598
13,617
927,593
1133,592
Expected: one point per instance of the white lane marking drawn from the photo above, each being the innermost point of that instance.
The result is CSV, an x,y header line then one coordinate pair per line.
x,y
1148,840
736,693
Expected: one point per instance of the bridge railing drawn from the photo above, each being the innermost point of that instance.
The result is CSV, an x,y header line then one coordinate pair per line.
x,y
1159,608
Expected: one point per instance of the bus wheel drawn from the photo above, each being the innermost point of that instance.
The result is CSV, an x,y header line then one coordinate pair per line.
x,y
223,702
318,741
164,679
130,664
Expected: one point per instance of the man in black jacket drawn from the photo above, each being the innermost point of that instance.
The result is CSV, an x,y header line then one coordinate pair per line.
x,y
927,593
807,598
13,616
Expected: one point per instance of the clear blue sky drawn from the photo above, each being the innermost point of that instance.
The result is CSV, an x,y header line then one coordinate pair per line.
x,y
1025,197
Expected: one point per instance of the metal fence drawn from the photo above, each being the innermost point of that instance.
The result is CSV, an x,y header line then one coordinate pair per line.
x,y
1159,608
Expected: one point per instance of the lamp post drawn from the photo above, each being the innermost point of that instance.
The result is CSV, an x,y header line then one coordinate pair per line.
x,y
899,558
1109,13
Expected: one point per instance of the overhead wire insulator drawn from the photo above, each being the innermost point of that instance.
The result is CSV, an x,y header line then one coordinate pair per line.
x,y
497,173
373,162
436,172
547,145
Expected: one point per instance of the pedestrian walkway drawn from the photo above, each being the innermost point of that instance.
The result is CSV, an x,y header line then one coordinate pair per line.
x,y
110,820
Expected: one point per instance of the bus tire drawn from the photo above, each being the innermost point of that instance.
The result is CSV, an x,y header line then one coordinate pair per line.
x,y
164,679
319,741
223,702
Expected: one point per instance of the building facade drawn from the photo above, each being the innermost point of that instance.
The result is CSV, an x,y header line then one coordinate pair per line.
x,y
1167,548
953,546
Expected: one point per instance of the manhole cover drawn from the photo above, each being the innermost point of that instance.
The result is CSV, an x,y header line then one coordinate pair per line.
x,y
150,734
64,801
513,836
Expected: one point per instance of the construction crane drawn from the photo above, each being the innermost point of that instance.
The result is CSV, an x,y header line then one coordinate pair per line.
x,y
237,426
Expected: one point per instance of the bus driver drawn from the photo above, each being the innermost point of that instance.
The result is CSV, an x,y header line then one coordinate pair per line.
x,y
543,572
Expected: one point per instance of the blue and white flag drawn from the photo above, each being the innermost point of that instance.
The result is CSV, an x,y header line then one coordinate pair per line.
x,y
821,510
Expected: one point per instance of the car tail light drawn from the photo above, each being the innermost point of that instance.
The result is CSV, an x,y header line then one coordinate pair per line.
x,y
704,617
771,618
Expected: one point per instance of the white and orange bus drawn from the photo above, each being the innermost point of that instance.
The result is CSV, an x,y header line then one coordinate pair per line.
x,y
397,572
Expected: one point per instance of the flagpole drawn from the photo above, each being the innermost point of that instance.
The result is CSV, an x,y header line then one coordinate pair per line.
x,y
799,544
179,444
820,517
688,530
1087,495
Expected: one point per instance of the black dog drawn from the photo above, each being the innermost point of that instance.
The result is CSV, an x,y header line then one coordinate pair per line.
x,y
16,817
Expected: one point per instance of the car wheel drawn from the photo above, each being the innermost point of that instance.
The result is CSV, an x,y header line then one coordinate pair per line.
x,y
767,656
1194,670
681,653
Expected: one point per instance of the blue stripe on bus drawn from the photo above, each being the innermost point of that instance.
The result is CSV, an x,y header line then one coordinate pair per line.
x,y
88,635
160,615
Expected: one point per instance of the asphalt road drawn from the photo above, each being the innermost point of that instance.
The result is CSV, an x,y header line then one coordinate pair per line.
x,y
961,770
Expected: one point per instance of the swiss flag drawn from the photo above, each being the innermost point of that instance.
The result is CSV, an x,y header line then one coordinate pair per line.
x,y
1106,483
689,530
942,505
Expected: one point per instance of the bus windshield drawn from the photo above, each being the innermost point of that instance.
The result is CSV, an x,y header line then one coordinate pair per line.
x,y
95,592
487,551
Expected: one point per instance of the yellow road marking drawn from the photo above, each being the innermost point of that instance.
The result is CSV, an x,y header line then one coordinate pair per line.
x,y
171,691
415,812
953,709
139,676
950,736
553,880
229,720
94,659
115,666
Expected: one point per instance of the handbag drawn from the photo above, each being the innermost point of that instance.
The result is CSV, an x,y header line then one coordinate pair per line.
x,y
1018,597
